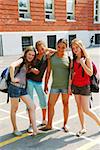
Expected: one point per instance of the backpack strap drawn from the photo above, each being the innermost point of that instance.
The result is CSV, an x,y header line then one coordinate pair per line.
x,y
7,97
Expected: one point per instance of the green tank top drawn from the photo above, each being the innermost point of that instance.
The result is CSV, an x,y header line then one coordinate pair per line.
x,y
60,71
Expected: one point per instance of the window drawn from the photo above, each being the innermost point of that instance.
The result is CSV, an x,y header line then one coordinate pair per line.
x,y
49,9
51,39
97,38
70,9
97,11
1,46
27,41
24,9
71,37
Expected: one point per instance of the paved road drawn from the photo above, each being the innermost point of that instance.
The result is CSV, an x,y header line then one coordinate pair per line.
x,y
55,139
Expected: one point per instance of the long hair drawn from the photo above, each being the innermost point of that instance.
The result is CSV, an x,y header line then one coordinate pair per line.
x,y
39,43
80,44
29,48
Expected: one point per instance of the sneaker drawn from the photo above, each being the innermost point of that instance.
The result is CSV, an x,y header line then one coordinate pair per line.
x,y
83,131
44,122
17,133
30,129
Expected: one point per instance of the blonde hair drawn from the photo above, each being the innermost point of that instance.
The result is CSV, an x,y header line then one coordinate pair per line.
x,y
79,43
39,43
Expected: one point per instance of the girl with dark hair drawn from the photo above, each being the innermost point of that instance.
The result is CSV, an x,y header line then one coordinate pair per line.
x,y
17,88
59,63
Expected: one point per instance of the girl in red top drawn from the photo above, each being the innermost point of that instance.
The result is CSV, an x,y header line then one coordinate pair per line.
x,y
81,83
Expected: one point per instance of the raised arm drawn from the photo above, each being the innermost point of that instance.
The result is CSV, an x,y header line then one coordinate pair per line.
x,y
12,69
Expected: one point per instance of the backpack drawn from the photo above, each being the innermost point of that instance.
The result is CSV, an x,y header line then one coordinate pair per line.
x,y
5,79
94,81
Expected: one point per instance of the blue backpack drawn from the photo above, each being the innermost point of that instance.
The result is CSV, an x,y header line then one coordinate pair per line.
x,y
5,79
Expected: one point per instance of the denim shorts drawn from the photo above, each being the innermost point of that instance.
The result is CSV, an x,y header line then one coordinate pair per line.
x,y
53,90
84,90
15,91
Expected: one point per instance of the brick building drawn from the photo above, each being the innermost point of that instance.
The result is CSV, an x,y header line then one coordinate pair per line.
x,y
23,22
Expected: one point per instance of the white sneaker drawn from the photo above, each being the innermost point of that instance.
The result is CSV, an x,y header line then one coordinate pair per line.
x,y
17,133
81,132
44,122
30,129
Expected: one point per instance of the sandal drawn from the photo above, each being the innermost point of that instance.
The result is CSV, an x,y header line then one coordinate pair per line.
x,y
81,132
45,129
65,129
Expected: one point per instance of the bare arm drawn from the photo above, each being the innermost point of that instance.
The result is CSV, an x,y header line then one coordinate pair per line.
x,y
12,69
87,66
50,51
47,76
86,63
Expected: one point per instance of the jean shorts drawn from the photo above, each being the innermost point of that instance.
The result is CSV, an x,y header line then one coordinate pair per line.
x,y
54,91
15,91
84,90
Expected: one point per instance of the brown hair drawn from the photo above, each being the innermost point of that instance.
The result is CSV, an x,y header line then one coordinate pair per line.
x,y
62,41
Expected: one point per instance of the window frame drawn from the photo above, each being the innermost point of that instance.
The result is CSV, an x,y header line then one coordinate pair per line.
x,y
97,10
30,43
50,11
73,12
24,11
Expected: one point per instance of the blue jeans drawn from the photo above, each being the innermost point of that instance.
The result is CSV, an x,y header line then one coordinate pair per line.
x,y
37,86
15,91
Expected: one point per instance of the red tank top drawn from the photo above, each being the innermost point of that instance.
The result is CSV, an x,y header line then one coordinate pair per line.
x,y
78,79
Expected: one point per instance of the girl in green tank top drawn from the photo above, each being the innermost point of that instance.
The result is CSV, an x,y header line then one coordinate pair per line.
x,y
59,64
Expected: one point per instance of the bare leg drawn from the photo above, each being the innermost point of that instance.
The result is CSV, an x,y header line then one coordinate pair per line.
x,y
80,110
14,108
51,103
44,114
65,98
26,99
87,110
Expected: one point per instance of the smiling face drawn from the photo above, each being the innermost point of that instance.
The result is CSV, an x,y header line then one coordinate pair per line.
x,y
30,56
76,49
41,49
61,47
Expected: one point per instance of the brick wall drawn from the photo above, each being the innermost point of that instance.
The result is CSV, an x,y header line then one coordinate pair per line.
x,y
9,19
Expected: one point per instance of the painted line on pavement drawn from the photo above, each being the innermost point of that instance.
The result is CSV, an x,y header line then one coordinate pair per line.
x,y
73,116
14,139
25,135
89,145
83,137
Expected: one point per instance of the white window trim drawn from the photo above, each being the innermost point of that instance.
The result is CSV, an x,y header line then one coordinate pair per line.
x,y
70,20
28,11
97,22
51,10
